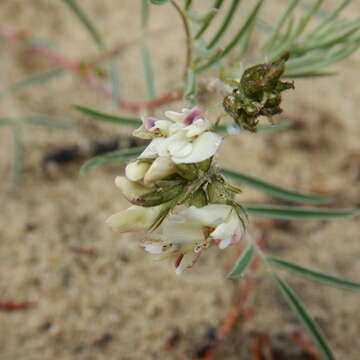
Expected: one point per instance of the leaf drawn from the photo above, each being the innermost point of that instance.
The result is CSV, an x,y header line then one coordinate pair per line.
x,y
309,323
111,157
85,21
47,121
314,274
282,20
148,71
144,14
235,129
35,80
159,2
108,118
275,190
188,4
206,24
300,213
238,36
115,82
18,156
242,263
225,24
6,122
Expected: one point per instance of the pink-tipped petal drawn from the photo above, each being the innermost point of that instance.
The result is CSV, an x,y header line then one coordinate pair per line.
x,y
193,114
149,122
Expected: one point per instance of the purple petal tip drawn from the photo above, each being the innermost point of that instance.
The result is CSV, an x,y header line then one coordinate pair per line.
x,y
194,114
149,122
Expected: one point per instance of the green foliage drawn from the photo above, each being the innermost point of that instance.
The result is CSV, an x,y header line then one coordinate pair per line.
x,y
115,81
314,274
18,155
85,21
310,325
34,80
225,24
148,71
244,29
313,48
159,2
209,18
242,263
115,156
275,190
120,120
266,128
300,213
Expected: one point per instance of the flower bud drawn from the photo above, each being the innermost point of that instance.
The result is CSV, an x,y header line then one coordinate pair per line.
x,y
161,168
160,195
136,170
135,218
131,190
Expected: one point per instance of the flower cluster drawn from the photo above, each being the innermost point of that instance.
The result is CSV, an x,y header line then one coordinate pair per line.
x,y
176,169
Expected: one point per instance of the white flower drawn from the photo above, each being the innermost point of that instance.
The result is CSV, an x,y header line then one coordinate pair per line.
x,y
136,170
192,230
185,138
135,218
161,168
130,189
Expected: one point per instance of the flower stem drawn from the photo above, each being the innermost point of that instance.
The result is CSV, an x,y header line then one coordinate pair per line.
x,y
188,38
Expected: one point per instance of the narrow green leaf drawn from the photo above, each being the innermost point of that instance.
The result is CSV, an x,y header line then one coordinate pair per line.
x,y
307,17
144,13
85,21
6,122
309,323
331,16
108,118
299,213
187,4
18,156
148,71
235,129
45,120
111,157
314,274
242,263
215,8
35,80
275,190
115,81
225,24
284,17
159,2
308,75
238,36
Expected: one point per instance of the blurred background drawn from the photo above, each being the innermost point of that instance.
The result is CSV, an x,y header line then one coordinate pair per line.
x,y
70,288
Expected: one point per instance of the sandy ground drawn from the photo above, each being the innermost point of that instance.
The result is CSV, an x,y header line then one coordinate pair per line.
x,y
120,294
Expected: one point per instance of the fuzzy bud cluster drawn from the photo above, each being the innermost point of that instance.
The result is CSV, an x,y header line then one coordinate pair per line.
x,y
258,94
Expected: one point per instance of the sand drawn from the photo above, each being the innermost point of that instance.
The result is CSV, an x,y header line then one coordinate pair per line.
x,y
119,303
